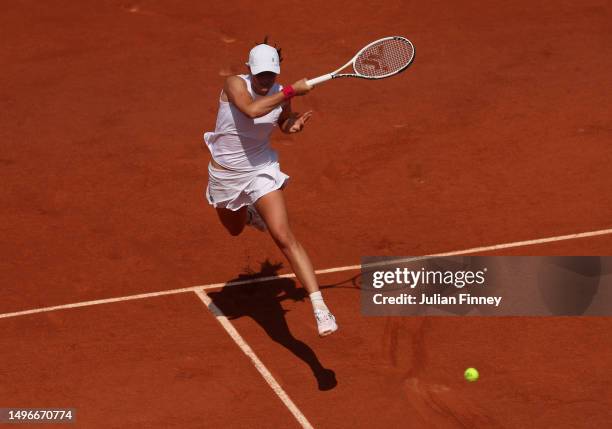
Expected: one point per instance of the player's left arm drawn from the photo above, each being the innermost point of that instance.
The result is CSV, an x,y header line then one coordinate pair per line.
x,y
291,122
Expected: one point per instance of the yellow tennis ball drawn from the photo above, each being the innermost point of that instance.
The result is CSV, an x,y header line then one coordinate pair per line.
x,y
471,374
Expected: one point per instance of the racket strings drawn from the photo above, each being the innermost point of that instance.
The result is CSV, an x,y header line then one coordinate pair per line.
x,y
384,58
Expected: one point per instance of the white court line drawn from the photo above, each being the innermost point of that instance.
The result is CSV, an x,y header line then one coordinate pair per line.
x,y
247,350
292,275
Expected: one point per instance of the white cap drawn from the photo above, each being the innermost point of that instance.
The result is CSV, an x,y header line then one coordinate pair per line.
x,y
264,58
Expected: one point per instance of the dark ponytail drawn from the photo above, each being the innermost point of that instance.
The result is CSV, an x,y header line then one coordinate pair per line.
x,y
265,42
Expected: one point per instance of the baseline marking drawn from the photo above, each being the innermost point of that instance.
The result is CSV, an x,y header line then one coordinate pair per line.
x,y
247,350
292,275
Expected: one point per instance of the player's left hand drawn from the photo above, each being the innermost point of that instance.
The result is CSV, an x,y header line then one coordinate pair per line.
x,y
299,122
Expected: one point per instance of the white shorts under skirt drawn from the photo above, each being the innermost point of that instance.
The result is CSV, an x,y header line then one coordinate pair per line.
x,y
235,189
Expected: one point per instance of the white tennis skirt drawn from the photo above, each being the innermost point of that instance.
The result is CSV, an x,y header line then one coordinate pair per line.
x,y
235,189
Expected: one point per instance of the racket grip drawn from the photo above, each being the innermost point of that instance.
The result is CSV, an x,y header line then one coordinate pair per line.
x,y
318,80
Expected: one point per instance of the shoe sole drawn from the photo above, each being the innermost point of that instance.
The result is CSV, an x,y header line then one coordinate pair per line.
x,y
326,333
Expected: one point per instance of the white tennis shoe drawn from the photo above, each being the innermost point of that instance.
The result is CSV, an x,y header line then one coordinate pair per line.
x,y
326,322
255,220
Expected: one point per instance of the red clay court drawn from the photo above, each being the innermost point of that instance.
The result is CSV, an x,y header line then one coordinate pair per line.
x,y
113,268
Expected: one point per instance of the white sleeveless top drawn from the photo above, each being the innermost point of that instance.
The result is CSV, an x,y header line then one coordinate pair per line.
x,y
240,143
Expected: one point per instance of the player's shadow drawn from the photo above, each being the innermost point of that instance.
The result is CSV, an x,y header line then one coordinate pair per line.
x,y
262,302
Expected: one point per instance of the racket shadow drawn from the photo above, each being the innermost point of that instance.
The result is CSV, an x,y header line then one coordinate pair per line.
x,y
262,302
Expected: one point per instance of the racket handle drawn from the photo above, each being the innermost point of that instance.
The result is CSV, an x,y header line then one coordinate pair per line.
x,y
318,80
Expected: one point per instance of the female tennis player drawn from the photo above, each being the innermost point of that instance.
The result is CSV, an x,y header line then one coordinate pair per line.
x,y
245,182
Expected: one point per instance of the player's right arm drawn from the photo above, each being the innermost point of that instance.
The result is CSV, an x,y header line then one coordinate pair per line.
x,y
236,90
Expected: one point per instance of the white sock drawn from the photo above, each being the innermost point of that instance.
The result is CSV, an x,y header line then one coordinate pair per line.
x,y
317,301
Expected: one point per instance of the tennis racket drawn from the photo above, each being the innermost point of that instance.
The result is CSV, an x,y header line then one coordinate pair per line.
x,y
380,59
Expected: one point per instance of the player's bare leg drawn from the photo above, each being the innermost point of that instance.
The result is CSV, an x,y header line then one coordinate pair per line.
x,y
233,221
273,210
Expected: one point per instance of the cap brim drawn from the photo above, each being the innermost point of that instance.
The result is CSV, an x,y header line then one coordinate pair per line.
x,y
265,68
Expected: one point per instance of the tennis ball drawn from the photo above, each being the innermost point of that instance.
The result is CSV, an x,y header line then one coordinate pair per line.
x,y
471,374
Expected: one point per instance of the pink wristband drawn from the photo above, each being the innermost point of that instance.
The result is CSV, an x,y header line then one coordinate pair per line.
x,y
288,92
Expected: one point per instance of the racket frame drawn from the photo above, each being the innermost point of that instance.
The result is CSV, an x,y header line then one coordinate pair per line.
x,y
334,74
